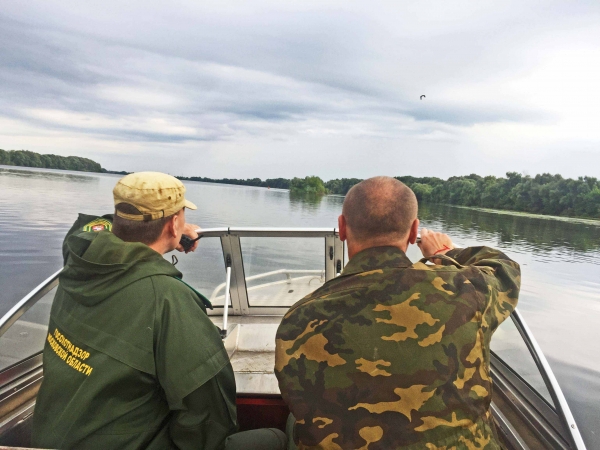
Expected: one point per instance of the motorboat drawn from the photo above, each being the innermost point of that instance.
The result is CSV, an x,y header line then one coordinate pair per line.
x,y
256,274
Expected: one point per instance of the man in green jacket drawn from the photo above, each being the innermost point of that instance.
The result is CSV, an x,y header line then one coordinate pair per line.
x,y
393,354
131,359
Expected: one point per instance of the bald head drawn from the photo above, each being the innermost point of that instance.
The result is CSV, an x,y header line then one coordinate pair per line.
x,y
380,208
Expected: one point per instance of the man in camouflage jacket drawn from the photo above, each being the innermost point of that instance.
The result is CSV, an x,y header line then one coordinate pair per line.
x,y
391,354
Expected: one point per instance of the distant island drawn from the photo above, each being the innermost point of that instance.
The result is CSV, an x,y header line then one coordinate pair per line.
x,y
26,158
542,194
308,186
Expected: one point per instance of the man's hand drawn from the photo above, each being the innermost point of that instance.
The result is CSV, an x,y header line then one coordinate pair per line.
x,y
434,243
189,230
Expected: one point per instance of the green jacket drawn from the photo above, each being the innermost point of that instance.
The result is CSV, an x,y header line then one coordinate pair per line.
x,y
395,355
131,360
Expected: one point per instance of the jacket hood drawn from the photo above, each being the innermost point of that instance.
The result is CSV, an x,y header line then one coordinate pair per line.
x,y
100,264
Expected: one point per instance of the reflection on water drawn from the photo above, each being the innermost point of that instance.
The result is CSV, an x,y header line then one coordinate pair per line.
x,y
572,240
560,295
37,207
50,174
308,201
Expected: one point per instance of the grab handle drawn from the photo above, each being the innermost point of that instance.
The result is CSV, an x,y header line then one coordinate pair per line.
x,y
226,304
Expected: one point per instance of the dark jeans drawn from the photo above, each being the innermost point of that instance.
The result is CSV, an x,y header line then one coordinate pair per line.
x,y
262,439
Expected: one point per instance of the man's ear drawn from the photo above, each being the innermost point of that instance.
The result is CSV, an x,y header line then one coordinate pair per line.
x,y
414,231
342,227
172,225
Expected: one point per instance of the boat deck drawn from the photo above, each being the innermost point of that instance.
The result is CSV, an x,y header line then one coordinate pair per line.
x,y
251,349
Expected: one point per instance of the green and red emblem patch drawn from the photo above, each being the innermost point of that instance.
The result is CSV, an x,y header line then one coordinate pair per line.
x,y
98,225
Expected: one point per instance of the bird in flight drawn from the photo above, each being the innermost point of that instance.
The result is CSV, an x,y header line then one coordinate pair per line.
x,y
422,97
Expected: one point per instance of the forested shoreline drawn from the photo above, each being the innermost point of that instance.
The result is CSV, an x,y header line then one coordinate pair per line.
x,y
25,158
541,194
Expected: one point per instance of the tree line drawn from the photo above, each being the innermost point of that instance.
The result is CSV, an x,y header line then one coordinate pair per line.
x,y
311,185
279,183
541,194
26,158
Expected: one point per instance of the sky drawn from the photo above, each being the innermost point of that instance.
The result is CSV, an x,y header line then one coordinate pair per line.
x,y
294,88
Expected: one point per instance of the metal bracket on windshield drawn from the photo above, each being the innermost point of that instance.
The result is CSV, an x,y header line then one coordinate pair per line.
x,y
226,304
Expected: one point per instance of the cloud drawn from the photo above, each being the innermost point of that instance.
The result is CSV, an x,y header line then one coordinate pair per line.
x,y
288,80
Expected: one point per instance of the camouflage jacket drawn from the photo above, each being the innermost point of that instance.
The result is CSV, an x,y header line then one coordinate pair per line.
x,y
395,355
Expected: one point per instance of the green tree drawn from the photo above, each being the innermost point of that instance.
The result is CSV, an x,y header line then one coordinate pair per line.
x,y
341,186
312,185
422,191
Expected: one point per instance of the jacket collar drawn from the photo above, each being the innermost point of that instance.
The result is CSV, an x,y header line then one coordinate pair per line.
x,y
376,258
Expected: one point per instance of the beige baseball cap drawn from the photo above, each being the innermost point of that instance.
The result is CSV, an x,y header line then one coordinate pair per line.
x,y
154,194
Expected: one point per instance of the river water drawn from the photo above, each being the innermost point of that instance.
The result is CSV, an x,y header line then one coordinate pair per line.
x,y
560,258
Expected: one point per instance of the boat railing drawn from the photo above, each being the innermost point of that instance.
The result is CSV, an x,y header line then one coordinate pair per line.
x,y
308,273
560,402
23,305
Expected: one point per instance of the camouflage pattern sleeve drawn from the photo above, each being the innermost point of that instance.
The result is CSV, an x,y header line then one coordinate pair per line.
x,y
503,274
395,355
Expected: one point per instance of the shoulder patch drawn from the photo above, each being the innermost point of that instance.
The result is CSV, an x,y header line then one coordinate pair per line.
x,y
98,225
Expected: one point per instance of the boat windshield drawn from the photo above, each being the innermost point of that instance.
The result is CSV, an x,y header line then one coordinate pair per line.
x,y
508,345
271,269
204,270
281,271
277,272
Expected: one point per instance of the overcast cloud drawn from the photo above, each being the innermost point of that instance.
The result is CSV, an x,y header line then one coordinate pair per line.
x,y
269,89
